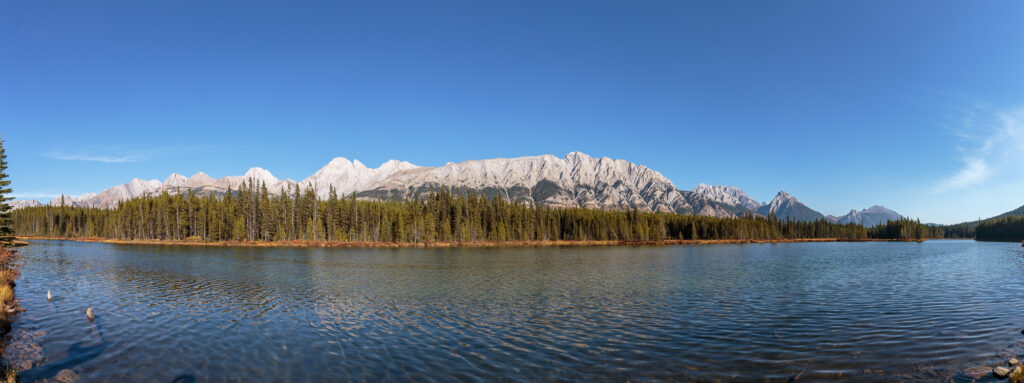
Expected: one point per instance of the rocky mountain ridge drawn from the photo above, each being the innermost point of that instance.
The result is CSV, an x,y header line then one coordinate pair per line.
x,y
786,206
727,194
869,217
576,180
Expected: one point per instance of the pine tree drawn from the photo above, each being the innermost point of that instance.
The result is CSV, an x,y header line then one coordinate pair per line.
x,y
6,222
238,229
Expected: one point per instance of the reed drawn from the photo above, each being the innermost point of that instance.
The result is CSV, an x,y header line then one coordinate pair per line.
x,y
11,375
8,305
6,294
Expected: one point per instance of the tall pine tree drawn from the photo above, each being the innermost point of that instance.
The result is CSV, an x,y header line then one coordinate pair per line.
x,y
6,223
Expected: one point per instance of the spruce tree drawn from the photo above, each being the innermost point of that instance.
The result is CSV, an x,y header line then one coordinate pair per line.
x,y
6,223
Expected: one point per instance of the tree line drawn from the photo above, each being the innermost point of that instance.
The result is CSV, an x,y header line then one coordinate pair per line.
x,y
906,228
252,213
1001,229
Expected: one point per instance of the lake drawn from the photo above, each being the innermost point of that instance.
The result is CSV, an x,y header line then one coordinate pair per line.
x,y
812,311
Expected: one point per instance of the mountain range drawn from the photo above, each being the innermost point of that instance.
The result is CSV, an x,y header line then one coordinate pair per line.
x,y
576,180
868,217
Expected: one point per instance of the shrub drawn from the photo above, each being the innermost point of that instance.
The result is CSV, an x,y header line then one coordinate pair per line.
x,y
6,294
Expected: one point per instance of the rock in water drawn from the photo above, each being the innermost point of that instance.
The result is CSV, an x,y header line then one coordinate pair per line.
x,y
977,373
89,315
67,376
1013,362
1001,372
49,297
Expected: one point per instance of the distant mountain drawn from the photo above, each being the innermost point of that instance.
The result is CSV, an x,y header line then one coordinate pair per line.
x,y
110,197
969,226
20,203
199,183
729,195
785,206
576,180
63,200
869,217
352,176
1015,212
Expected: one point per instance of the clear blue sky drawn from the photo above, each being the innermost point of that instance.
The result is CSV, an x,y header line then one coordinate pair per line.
x,y
915,105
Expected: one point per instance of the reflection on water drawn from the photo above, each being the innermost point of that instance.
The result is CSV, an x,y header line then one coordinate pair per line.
x,y
863,311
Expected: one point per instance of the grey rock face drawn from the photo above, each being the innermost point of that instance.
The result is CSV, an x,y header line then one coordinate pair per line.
x,y
729,195
785,206
869,217
22,203
576,180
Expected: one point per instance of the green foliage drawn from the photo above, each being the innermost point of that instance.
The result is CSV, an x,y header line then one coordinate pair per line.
x,y
6,224
1007,228
238,229
251,213
906,228
961,230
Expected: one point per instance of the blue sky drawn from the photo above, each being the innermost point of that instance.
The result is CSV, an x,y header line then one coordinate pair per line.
x,y
915,105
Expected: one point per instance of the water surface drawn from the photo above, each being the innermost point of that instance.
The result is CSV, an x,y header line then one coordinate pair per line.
x,y
855,311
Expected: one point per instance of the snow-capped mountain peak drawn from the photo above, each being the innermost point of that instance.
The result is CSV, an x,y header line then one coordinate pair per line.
x,y
199,179
260,175
351,176
786,206
868,217
727,194
575,180
62,200
23,203
175,180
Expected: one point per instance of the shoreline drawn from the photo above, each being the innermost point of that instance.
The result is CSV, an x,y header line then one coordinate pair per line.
x,y
560,243
9,308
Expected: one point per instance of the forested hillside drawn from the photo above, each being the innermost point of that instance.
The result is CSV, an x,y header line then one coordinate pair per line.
x,y
1007,228
254,214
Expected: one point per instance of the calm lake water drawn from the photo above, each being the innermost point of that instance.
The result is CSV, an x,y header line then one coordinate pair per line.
x,y
813,311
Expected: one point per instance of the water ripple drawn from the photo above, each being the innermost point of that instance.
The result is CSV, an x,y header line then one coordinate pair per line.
x,y
775,312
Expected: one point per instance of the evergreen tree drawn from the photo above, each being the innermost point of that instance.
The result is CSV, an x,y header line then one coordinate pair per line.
x,y
6,222
251,213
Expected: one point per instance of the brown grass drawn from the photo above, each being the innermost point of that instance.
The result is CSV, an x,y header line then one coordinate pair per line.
x,y
6,294
8,302
8,273
10,375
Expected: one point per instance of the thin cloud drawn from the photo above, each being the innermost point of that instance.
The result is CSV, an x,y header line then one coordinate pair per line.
x,y
995,148
34,195
974,171
95,158
116,156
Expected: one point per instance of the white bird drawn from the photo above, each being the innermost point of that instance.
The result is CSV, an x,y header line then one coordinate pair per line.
x,y
49,297
89,314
